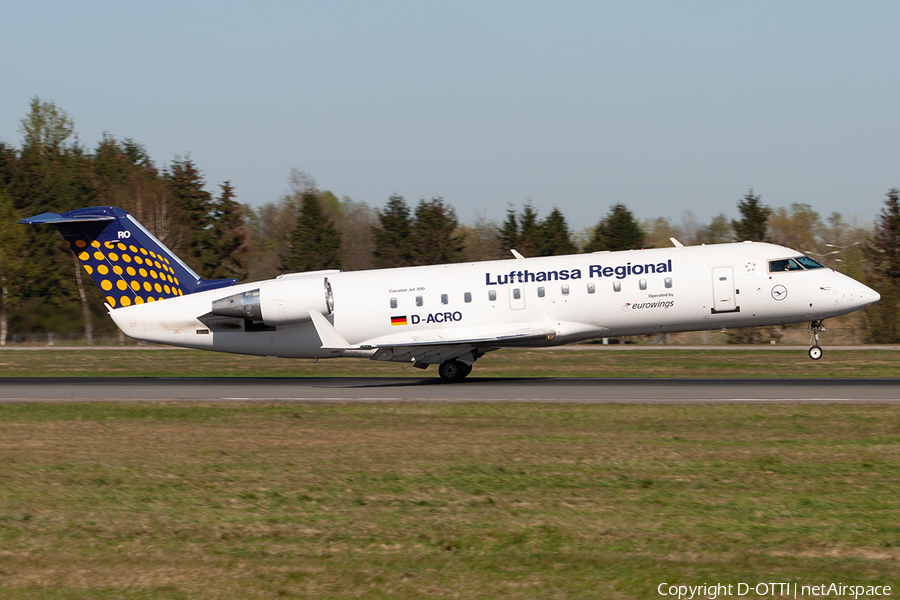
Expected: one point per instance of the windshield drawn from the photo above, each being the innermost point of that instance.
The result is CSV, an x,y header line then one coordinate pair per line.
x,y
798,263
809,263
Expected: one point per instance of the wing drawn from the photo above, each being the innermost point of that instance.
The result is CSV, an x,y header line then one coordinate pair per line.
x,y
436,346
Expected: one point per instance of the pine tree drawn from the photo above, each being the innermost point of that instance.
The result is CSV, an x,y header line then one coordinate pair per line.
x,y
392,238
619,230
314,243
530,232
753,224
186,183
530,236
886,237
883,253
509,233
13,266
555,235
228,237
432,239
54,175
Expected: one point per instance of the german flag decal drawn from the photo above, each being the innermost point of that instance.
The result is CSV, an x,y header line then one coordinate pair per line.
x,y
398,320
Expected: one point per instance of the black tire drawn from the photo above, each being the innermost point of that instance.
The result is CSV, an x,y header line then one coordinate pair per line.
x,y
815,352
453,371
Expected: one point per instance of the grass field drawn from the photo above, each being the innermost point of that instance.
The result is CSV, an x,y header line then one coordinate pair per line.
x,y
504,363
186,500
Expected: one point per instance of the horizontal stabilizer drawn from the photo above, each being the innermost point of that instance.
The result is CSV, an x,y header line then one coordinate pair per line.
x,y
49,218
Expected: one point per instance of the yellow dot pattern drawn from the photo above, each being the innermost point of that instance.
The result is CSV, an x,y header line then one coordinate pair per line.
x,y
109,265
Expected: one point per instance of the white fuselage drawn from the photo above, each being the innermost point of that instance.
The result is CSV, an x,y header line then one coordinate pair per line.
x,y
581,296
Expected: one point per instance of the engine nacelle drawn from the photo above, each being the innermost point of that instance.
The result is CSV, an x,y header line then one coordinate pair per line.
x,y
281,301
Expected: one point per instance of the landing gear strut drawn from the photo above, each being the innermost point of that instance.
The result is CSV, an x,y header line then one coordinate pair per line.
x,y
815,351
454,371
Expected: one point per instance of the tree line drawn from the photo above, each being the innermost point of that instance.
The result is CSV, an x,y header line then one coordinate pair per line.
x,y
310,228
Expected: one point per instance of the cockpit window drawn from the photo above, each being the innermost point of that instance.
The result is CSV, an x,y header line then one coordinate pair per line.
x,y
798,263
809,263
784,264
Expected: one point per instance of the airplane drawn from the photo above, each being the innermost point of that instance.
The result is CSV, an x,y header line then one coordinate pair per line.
x,y
451,315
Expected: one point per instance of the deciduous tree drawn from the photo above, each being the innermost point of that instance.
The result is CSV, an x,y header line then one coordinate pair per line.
x,y
46,128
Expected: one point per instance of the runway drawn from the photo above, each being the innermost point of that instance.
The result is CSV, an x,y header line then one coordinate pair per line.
x,y
476,389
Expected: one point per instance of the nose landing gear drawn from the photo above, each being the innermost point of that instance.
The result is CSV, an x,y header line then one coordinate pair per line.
x,y
815,351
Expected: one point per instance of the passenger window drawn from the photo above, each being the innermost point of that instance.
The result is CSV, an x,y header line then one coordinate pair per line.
x,y
517,293
617,286
467,296
591,288
541,292
643,284
492,295
444,299
393,303
565,290
668,282
419,301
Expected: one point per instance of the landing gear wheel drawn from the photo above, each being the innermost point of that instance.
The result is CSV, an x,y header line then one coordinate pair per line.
x,y
453,371
815,351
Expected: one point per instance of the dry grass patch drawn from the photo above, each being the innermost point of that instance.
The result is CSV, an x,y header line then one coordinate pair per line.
x,y
504,363
184,500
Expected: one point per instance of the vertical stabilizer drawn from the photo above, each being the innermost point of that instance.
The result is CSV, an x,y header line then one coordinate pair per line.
x,y
125,260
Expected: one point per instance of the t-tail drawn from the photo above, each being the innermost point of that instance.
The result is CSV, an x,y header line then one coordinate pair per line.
x,y
125,260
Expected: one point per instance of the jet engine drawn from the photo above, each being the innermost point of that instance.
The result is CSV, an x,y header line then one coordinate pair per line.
x,y
281,301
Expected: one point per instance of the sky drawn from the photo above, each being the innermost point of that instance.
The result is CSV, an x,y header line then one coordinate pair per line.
x,y
662,106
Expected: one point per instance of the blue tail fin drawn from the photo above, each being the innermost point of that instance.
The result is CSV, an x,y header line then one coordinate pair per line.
x,y
129,264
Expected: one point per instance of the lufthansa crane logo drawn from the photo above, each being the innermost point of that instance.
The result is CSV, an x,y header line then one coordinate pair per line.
x,y
779,292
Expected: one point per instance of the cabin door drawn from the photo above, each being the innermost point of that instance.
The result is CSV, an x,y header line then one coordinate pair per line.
x,y
723,290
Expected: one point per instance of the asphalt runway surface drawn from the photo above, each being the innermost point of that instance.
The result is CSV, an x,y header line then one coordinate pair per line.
x,y
475,389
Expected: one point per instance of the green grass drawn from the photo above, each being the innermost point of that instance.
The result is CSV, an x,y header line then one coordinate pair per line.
x,y
190,500
504,363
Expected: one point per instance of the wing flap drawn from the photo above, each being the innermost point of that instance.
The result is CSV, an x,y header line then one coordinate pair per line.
x,y
500,337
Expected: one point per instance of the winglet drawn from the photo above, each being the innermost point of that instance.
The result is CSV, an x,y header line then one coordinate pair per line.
x,y
327,333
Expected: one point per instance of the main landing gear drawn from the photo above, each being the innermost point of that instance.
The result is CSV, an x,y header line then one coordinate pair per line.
x,y
454,371
815,351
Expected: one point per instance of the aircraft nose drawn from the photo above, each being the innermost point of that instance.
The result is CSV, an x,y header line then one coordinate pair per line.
x,y
866,294
875,296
